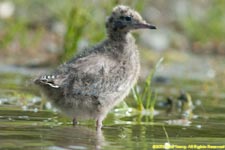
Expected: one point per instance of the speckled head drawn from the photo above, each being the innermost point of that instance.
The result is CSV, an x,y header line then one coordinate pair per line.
x,y
125,19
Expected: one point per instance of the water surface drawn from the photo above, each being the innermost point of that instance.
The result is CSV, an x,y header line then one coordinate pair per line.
x,y
27,121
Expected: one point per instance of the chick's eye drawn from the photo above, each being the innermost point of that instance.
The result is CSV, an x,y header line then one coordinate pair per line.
x,y
128,18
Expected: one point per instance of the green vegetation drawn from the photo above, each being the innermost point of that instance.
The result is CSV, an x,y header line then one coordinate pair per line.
x,y
81,22
84,21
146,95
166,134
76,22
210,27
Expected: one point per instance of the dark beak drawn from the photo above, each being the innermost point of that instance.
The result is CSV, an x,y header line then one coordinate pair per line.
x,y
144,26
150,26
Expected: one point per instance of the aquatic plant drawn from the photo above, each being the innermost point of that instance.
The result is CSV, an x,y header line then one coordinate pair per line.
x,y
146,95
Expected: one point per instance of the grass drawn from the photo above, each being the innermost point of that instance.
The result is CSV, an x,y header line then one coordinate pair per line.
x,y
207,28
166,134
146,98
24,32
76,21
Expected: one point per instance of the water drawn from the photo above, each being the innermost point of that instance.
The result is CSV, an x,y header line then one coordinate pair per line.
x,y
29,122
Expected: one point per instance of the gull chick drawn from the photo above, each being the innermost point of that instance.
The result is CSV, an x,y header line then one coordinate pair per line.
x,y
89,85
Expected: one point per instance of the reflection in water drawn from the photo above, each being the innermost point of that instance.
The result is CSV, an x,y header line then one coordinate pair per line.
x,y
76,138
23,127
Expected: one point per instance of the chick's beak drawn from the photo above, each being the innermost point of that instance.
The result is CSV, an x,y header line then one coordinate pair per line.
x,y
144,25
149,26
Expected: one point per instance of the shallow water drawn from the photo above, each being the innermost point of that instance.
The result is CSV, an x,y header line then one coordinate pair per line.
x,y
29,122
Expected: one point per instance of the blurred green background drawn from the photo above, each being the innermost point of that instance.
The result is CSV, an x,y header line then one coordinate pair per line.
x,y
41,33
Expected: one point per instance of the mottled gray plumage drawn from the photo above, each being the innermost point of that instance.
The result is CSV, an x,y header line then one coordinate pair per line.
x,y
98,78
